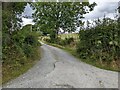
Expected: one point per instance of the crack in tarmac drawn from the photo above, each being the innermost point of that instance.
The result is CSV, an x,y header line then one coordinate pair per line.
x,y
52,70
57,66
54,64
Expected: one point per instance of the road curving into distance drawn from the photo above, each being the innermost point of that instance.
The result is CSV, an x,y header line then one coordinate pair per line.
x,y
59,69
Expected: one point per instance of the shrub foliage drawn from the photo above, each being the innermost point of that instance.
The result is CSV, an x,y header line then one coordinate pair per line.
x,y
19,46
101,43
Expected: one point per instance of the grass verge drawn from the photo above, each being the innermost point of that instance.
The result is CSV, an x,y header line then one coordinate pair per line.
x,y
13,70
73,52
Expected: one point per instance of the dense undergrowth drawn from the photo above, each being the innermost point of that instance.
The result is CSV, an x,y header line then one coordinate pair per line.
x,y
101,43
98,45
20,52
20,47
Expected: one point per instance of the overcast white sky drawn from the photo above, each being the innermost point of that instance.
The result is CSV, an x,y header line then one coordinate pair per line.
x,y
104,7
28,12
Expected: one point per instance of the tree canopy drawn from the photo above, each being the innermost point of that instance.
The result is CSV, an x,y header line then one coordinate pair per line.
x,y
19,46
55,15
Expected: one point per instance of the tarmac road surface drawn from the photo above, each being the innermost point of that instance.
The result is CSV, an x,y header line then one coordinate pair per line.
x,y
59,69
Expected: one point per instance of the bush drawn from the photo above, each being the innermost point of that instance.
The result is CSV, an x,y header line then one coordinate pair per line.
x,y
48,40
19,51
31,39
66,41
101,43
69,40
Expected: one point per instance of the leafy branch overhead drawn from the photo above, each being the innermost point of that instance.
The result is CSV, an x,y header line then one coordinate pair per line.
x,y
55,15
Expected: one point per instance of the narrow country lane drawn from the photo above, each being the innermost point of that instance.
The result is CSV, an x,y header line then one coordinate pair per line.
x,y
58,69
